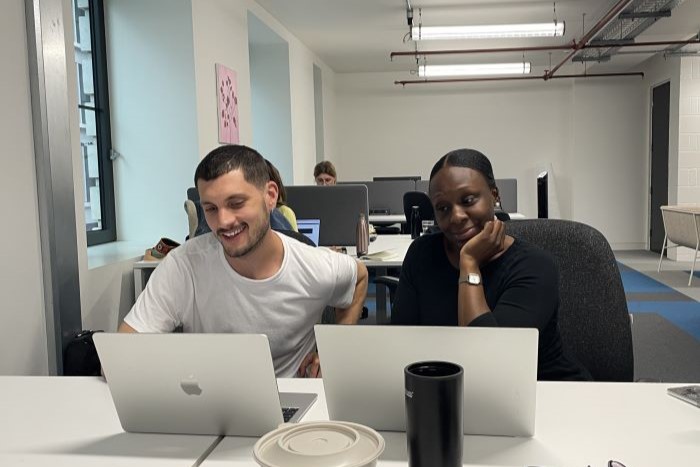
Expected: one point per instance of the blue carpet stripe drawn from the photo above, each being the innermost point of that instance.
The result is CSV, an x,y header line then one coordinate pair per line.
x,y
635,282
683,314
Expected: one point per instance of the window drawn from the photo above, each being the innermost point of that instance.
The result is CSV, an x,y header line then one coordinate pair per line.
x,y
93,110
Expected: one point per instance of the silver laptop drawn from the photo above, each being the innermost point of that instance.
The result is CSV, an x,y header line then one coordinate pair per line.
x,y
364,380
212,384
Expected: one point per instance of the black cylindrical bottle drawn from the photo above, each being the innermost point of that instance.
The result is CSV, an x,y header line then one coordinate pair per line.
x,y
416,224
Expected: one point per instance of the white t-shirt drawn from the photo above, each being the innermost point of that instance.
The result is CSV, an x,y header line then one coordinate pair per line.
x,y
196,287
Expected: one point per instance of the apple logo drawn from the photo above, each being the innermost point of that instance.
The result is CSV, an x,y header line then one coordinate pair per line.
x,y
191,386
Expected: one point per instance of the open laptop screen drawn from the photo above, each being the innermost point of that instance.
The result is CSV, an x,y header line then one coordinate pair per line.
x,y
311,228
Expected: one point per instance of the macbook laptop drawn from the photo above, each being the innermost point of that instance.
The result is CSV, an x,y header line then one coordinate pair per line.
x,y
364,381
311,228
210,384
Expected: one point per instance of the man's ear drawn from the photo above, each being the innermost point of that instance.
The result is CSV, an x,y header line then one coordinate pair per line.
x,y
271,195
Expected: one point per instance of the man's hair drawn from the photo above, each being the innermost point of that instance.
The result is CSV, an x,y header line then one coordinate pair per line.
x,y
325,167
224,159
468,158
277,178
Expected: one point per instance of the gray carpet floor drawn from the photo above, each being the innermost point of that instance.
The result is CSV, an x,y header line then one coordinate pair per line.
x,y
664,352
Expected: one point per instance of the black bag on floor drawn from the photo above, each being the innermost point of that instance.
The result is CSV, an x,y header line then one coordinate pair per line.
x,y
80,357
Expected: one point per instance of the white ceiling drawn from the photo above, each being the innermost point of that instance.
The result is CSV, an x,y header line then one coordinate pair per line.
x,y
359,35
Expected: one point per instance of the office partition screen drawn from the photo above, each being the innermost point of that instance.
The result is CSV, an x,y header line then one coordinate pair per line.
x,y
338,208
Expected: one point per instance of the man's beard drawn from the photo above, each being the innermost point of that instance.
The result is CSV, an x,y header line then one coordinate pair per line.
x,y
256,238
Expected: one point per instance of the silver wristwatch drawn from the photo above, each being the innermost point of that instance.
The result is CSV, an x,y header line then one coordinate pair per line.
x,y
472,279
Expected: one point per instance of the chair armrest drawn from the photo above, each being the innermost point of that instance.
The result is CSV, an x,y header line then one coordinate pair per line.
x,y
390,282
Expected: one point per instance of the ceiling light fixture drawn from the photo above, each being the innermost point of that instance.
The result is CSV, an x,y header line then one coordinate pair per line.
x,y
553,29
430,71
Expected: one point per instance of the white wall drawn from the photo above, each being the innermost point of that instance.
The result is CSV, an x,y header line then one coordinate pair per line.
x,y
154,120
689,131
609,159
383,129
688,138
23,336
270,96
221,36
271,102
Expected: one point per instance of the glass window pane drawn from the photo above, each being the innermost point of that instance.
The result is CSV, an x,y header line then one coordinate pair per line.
x,y
91,171
83,53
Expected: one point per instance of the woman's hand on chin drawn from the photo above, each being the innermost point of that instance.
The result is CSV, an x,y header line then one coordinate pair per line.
x,y
488,243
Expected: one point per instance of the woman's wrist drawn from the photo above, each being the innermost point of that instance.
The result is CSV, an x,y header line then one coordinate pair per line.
x,y
468,264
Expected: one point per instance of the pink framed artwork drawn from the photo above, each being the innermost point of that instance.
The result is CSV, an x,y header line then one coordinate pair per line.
x,y
227,98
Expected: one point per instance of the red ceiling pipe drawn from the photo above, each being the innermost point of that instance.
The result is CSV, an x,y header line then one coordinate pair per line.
x,y
481,51
518,78
609,16
544,48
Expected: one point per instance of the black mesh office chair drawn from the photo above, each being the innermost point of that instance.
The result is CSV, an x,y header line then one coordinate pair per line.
x,y
420,199
593,316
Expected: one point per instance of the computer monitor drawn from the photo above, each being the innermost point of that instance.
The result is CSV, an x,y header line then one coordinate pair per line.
x,y
542,196
311,228
337,206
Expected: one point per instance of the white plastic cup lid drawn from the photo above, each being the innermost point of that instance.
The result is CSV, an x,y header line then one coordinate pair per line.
x,y
319,444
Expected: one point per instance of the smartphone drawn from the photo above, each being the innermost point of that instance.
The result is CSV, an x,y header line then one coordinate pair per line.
x,y
689,394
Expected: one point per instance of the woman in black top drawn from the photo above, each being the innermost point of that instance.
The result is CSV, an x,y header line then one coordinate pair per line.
x,y
473,274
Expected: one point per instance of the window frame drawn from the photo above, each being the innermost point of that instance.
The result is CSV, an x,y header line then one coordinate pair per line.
x,y
108,233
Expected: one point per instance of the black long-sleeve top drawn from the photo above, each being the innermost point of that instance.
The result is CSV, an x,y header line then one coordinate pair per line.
x,y
521,288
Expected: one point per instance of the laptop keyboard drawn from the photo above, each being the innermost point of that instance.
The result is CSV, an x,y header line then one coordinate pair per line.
x,y
288,412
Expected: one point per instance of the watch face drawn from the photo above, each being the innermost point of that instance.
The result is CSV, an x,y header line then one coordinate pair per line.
x,y
474,279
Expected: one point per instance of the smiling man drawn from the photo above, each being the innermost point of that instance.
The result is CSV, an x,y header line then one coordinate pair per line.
x,y
244,277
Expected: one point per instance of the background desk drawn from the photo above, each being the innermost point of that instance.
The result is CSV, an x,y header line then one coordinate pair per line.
x,y
578,424
55,421
396,244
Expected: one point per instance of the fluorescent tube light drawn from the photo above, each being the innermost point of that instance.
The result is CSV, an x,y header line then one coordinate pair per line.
x,y
553,29
519,68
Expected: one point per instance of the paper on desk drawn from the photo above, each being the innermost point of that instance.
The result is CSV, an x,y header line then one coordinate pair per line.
x,y
379,255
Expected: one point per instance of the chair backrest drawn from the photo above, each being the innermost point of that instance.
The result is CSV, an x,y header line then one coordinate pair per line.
x,y
202,227
593,316
420,199
680,226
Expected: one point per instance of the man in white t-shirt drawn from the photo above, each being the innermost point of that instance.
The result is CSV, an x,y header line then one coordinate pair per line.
x,y
244,277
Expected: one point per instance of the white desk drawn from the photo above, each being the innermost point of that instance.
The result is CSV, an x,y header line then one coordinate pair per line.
x,y
54,421
577,424
72,422
387,219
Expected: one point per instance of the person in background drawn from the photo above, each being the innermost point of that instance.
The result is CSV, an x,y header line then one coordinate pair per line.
x,y
325,174
472,273
243,277
282,196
